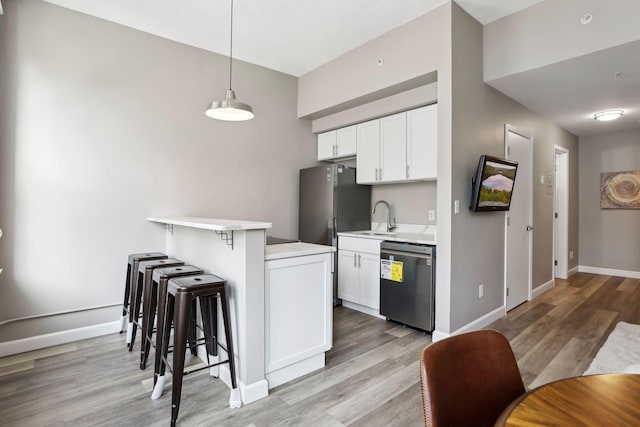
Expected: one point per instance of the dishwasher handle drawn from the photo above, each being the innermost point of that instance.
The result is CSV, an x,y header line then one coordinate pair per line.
x,y
405,254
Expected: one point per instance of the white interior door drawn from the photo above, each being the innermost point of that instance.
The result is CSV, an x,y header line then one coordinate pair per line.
x,y
518,232
561,213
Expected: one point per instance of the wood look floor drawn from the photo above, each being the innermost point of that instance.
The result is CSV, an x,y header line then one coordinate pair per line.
x,y
371,377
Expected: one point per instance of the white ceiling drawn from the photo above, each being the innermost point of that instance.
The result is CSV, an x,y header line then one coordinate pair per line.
x,y
297,36
291,36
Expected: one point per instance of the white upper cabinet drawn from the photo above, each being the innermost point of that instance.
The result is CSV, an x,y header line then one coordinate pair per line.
x,y
397,148
422,143
368,152
337,144
326,145
346,141
393,148
382,150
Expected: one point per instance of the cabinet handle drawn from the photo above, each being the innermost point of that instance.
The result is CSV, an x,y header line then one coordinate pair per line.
x,y
355,264
408,171
377,174
359,263
380,179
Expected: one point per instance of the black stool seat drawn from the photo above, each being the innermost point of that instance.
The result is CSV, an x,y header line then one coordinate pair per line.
x,y
181,291
132,268
142,292
159,280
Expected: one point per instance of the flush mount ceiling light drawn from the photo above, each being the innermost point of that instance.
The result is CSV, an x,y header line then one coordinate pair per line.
x,y
607,116
230,109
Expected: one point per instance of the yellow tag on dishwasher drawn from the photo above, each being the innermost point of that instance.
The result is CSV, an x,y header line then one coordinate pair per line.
x,y
396,271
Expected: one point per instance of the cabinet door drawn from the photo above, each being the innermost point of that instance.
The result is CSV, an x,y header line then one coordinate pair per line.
x,y
346,141
326,145
393,147
422,143
311,306
348,288
368,152
369,278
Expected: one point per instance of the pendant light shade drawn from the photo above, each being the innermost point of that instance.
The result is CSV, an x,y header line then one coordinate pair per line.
x,y
230,109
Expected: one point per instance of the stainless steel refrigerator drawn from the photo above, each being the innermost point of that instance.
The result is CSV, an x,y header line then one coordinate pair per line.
x,y
331,202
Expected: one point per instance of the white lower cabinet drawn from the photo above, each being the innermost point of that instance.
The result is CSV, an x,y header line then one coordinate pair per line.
x,y
348,288
359,271
298,316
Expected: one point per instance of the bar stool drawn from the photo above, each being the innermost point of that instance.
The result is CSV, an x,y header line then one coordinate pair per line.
x,y
158,298
143,284
132,267
180,293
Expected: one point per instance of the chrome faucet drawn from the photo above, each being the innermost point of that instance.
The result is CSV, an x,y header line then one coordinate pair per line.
x,y
390,224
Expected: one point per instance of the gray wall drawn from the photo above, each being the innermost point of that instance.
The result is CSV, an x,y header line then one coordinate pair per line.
x,y
479,115
410,202
470,123
550,31
414,55
354,77
609,238
104,126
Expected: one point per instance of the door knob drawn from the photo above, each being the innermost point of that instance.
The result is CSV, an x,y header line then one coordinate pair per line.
x,y
529,227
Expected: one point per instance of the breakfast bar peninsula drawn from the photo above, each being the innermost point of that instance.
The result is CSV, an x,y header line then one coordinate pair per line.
x,y
268,287
233,250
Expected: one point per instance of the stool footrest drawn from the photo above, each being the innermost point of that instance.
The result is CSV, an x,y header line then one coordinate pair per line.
x,y
202,368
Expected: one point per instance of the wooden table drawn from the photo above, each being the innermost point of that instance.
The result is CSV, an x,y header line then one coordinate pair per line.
x,y
594,400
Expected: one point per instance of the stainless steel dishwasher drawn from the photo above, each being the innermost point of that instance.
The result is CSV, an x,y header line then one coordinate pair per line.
x,y
407,284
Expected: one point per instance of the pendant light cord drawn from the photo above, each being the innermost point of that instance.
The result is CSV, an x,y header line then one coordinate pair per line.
x,y
231,46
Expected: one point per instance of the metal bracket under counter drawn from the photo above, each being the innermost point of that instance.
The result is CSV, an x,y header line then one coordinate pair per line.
x,y
225,236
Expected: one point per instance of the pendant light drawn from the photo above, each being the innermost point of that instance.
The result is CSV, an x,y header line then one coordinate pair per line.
x,y
230,109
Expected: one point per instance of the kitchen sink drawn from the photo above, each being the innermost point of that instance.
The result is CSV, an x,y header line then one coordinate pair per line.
x,y
375,233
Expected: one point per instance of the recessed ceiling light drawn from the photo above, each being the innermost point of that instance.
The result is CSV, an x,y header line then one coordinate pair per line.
x,y
586,19
606,116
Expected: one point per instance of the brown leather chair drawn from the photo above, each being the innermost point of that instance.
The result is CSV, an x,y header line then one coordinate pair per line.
x,y
468,379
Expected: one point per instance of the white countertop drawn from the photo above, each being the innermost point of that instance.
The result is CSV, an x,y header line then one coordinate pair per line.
x,y
212,223
296,249
409,233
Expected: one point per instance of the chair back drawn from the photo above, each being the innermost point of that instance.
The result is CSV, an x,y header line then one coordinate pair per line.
x,y
468,379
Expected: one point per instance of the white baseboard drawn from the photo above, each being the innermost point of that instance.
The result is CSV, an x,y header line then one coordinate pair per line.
x,y
609,271
483,321
439,335
479,323
542,289
57,338
363,309
572,271
255,391
295,370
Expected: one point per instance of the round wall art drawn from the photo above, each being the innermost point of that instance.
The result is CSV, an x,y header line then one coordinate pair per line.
x,y
620,190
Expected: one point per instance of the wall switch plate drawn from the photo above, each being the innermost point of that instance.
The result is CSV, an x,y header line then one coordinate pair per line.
x,y
456,206
542,179
480,291
571,255
432,215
